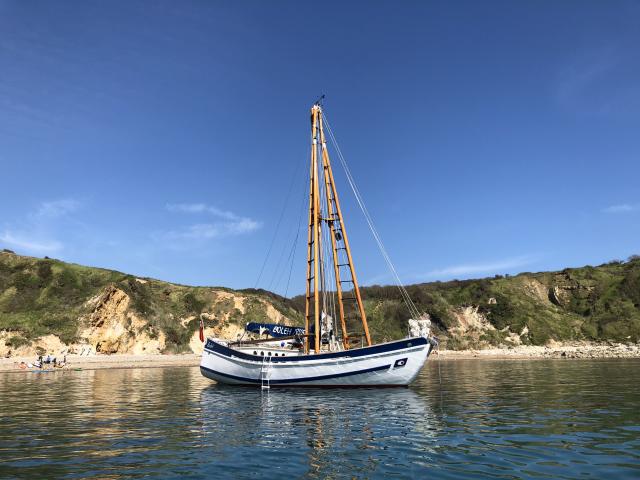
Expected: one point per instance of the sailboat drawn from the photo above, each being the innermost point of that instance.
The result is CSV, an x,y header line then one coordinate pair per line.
x,y
326,352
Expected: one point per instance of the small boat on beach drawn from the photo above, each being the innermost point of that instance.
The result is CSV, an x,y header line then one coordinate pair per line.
x,y
334,348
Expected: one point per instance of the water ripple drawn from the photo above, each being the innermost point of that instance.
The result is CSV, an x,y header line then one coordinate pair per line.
x,y
462,419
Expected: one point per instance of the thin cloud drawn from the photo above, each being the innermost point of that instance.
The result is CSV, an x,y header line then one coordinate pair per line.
x,y
201,208
34,234
186,207
622,208
244,225
22,242
208,231
377,279
57,208
580,76
464,270
229,224
598,82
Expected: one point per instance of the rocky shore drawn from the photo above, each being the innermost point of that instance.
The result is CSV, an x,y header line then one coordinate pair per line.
x,y
552,350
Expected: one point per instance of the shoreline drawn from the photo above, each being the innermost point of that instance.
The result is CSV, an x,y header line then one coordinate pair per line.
x,y
99,362
554,350
521,352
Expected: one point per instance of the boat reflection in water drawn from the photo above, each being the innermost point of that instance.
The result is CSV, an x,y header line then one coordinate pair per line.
x,y
329,431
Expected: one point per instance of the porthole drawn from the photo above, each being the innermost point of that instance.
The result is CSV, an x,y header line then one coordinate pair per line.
x,y
262,353
255,352
276,354
269,353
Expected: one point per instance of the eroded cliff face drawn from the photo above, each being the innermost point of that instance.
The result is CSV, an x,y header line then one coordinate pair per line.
x,y
472,328
470,322
41,345
113,326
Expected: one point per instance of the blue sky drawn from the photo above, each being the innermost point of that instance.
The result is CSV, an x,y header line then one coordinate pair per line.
x,y
163,138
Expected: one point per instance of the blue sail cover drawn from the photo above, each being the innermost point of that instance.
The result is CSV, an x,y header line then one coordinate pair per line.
x,y
274,329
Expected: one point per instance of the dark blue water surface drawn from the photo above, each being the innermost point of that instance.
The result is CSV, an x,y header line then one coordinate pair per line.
x,y
461,419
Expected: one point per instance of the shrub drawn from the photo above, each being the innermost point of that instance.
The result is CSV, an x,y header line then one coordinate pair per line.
x,y
16,341
192,304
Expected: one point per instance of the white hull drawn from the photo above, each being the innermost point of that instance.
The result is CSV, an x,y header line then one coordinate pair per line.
x,y
388,364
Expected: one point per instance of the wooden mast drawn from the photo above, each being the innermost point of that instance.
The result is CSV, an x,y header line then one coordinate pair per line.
x,y
313,241
338,233
309,254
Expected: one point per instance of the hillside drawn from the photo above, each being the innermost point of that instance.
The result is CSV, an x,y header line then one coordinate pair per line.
x,y
49,304
589,303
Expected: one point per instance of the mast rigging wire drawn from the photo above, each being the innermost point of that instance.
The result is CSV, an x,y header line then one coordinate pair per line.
x,y
275,233
295,241
403,291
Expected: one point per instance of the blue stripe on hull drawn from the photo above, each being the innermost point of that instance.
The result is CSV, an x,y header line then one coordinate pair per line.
x,y
292,380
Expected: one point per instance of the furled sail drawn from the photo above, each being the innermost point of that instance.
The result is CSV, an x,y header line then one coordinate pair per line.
x,y
274,329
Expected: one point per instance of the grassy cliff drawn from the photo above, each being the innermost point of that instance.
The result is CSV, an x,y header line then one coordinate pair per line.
x,y
589,303
116,312
78,304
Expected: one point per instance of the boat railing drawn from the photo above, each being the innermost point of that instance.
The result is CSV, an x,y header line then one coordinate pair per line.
x,y
239,343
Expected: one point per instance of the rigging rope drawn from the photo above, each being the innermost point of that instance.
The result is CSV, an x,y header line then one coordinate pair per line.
x,y
275,233
281,267
295,241
327,249
281,271
403,291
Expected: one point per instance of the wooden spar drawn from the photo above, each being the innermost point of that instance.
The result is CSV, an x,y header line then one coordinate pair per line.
x,y
314,239
316,231
332,222
310,241
356,288
309,259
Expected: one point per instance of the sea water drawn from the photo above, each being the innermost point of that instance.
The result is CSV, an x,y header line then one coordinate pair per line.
x,y
460,419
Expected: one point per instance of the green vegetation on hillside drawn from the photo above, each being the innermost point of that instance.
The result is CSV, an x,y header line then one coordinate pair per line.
x,y
43,296
587,303
46,296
